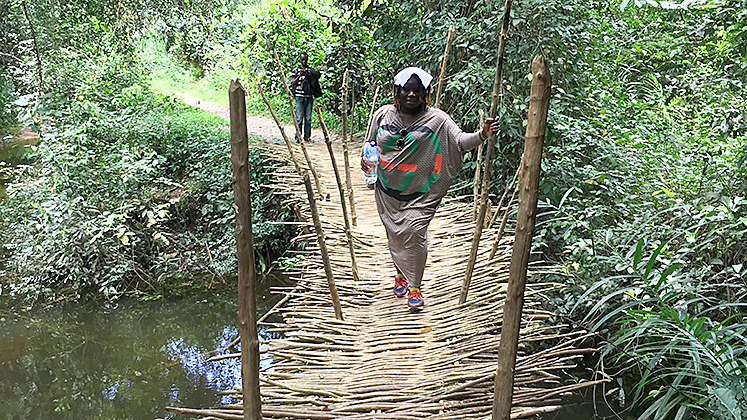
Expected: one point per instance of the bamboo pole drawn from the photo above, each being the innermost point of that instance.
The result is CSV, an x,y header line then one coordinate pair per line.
x,y
539,101
503,197
476,185
323,248
498,236
245,254
299,136
348,232
488,155
443,66
282,130
370,115
345,153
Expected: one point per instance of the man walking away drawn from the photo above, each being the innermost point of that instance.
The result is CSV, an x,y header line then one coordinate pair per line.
x,y
305,86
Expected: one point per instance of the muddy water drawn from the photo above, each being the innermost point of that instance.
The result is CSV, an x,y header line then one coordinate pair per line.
x,y
129,360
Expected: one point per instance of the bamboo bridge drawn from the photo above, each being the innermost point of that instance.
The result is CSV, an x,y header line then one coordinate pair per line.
x,y
383,362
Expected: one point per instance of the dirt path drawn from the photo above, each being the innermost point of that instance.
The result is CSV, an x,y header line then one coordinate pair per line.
x,y
258,125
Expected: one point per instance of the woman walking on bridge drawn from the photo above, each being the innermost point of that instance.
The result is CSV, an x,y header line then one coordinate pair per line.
x,y
420,150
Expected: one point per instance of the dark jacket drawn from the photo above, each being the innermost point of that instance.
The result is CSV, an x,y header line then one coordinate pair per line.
x,y
307,85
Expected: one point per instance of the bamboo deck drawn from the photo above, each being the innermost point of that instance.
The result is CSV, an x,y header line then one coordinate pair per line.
x,y
383,362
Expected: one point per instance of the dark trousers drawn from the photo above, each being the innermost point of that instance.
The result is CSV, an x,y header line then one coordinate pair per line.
x,y
304,108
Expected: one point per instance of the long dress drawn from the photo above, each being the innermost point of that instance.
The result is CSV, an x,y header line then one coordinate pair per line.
x,y
417,166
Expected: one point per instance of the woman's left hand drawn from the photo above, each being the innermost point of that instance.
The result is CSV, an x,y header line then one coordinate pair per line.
x,y
491,124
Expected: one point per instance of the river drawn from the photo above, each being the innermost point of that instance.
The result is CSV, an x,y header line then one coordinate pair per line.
x,y
126,360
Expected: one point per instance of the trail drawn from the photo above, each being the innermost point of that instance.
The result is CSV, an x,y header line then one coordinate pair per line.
x,y
256,124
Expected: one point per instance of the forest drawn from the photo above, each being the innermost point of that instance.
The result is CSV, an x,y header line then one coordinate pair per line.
x,y
126,192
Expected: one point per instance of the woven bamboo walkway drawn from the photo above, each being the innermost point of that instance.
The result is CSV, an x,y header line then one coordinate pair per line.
x,y
383,362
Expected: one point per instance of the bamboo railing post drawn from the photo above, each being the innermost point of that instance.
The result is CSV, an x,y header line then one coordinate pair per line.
x,y
488,155
345,153
348,233
443,66
476,185
245,254
299,135
323,248
539,101
282,130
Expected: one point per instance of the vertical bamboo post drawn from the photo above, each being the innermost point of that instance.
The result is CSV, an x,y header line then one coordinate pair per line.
x,y
539,101
299,136
323,248
345,153
348,233
351,117
245,254
282,130
476,184
488,155
443,66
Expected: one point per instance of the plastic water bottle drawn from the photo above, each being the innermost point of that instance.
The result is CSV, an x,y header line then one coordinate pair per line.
x,y
371,158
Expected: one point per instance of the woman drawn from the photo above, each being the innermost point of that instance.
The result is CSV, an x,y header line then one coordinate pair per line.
x,y
420,151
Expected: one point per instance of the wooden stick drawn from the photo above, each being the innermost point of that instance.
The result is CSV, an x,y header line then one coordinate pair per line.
x,y
323,248
299,136
498,236
370,115
539,102
345,154
282,130
503,197
39,68
488,156
443,66
476,185
348,232
245,253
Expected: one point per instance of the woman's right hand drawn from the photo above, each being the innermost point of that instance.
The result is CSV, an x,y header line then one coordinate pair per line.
x,y
364,166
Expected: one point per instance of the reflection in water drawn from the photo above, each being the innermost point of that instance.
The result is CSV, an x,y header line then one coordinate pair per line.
x,y
127,362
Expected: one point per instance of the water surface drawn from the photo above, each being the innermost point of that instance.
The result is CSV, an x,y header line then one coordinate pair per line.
x,y
129,360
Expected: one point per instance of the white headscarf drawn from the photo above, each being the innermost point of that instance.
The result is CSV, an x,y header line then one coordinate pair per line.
x,y
403,76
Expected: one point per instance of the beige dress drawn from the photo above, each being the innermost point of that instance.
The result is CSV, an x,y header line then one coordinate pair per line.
x,y
418,164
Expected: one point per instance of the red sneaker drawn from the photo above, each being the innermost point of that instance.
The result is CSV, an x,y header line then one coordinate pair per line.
x,y
415,299
400,285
